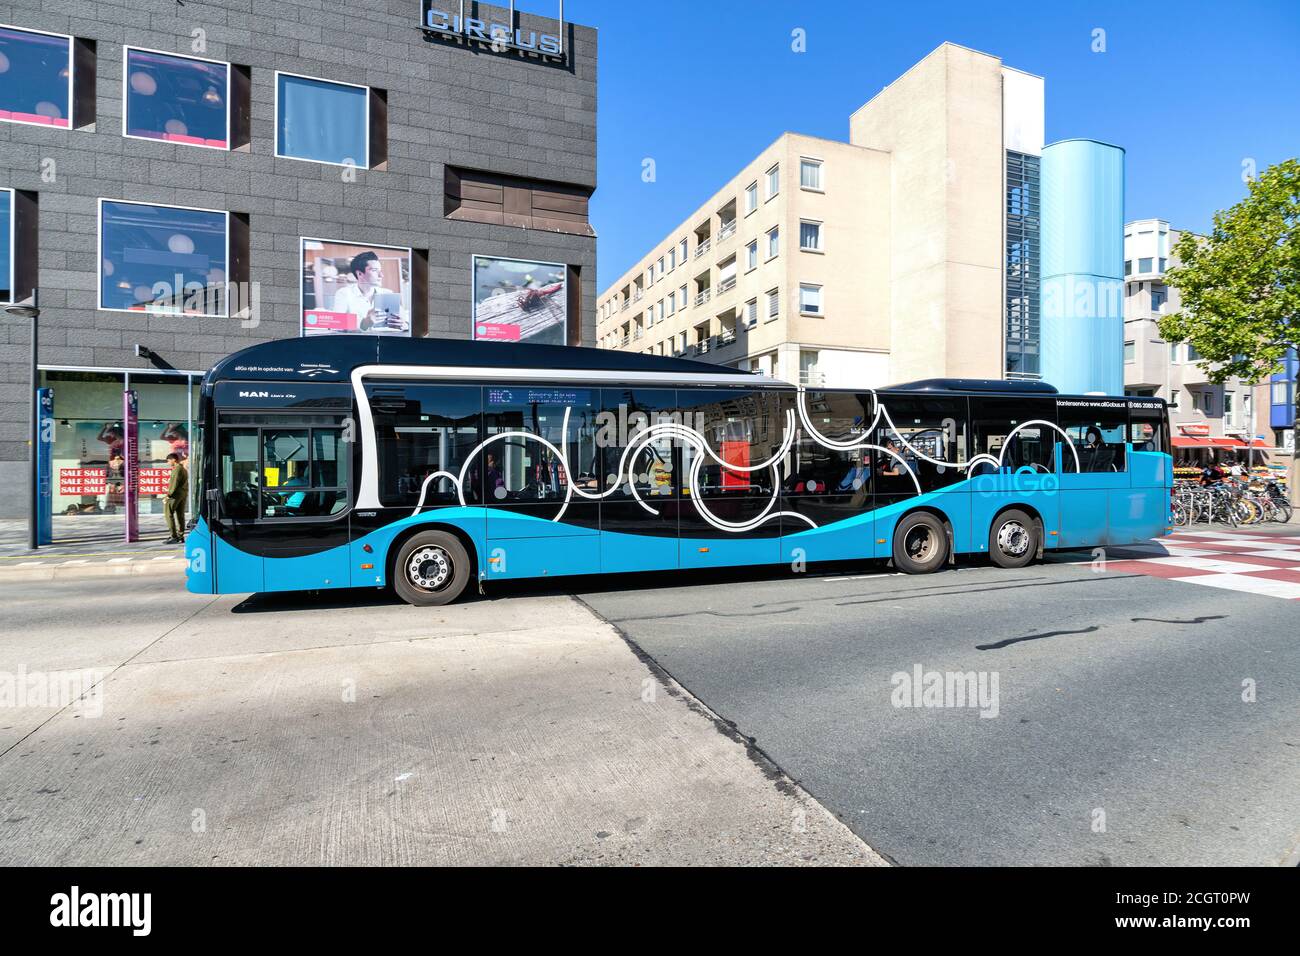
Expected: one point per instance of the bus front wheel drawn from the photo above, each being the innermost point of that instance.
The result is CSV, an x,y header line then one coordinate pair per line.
x,y
920,544
1013,539
432,568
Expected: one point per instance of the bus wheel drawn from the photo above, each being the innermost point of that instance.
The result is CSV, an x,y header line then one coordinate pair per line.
x,y
432,568
1013,539
920,544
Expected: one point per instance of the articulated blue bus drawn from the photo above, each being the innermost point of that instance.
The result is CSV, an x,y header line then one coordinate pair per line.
x,y
424,464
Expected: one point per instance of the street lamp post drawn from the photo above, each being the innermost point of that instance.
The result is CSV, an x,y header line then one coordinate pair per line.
x,y
31,310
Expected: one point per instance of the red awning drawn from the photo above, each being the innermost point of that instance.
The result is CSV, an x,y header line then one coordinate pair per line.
x,y
1189,441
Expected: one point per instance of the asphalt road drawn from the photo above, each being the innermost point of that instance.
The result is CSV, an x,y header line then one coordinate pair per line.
x,y
1121,736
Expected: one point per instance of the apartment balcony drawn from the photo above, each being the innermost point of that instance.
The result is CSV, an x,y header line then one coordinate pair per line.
x,y
638,334
703,296
726,337
702,247
639,296
703,346
727,231
623,307
726,285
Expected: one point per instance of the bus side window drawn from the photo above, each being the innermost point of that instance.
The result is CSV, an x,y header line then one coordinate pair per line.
x,y
816,469
238,472
929,435
625,417
1019,431
1098,431
424,434
742,428
522,469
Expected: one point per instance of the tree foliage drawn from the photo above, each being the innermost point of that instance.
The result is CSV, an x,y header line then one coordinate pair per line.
x,y
1240,285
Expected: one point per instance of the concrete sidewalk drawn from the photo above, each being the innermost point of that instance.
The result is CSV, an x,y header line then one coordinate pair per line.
x,y
88,545
295,730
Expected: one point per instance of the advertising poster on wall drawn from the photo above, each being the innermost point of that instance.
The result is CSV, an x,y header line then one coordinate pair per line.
x,y
516,300
355,289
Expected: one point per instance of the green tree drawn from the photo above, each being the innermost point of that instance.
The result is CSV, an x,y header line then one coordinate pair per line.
x,y
1240,285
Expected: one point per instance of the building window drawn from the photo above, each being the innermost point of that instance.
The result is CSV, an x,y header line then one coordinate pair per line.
x,y
145,250
37,78
1163,261
1158,298
773,242
1280,393
751,313
650,275
751,255
773,304
1128,267
1144,265
660,266
672,303
6,245
810,236
1130,352
179,99
681,254
773,181
681,294
672,258
1022,326
659,311
1173,397
322,121
751,198
1192,354
810,299
809,374
810,174
1173,351
1227,404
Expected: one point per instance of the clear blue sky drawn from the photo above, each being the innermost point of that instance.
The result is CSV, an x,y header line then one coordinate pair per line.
x,y
1189,89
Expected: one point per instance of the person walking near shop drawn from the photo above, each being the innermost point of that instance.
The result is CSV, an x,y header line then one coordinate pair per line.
x,y
178,491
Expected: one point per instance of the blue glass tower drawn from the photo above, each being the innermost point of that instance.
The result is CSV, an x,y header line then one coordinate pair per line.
x,y
1082,303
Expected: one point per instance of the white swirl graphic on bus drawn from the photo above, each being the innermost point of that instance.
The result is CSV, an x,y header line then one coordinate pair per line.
x,y
697,441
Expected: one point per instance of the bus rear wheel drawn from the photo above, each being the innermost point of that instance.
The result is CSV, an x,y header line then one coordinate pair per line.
x,y
432,568
920,544
1013,539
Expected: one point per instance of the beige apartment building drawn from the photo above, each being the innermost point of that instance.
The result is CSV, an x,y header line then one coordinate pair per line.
x,y
756,277
1202,414
910,251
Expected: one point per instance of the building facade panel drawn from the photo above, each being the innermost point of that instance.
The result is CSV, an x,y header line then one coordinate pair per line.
x,y
436,92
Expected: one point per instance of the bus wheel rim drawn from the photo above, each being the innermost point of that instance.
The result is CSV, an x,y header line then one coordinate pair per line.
x,y
1013,539
919,543
429,568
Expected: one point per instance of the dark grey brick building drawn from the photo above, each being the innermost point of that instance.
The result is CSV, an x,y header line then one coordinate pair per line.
x,y
473,151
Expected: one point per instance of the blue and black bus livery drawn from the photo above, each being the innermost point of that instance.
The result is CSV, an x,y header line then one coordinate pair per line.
x,y
426,465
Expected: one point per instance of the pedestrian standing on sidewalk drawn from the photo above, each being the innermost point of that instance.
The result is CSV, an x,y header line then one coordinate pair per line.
x,y
178,490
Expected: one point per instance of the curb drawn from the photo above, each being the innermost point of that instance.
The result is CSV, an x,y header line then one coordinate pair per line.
x,y
66,571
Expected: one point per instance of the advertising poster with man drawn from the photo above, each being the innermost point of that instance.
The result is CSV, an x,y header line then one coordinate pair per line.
x,y
516,300
350,288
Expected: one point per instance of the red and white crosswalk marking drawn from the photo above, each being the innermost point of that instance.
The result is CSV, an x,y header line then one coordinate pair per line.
x,y
1253,560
